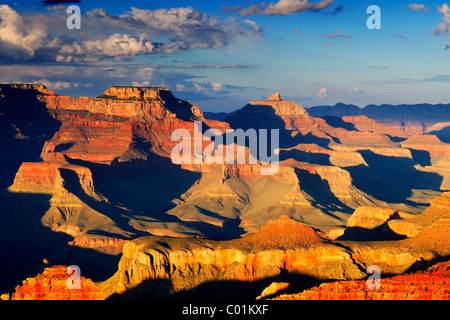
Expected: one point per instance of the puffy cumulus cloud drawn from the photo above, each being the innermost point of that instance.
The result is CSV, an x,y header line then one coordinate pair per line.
x,y
183,29
22,37
445,10
56,85
284,7
443,27
119,37
418,7
117,46
322,93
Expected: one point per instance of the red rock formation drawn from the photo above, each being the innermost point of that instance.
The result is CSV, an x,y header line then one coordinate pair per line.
x,y
427,142
284,232
184,265
432,284
45,177
106,128
272,113
364,124
52,285
128,127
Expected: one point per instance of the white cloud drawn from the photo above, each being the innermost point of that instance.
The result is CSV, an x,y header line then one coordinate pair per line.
x,y
445,10
256,28
57,85
180,87
141,84
355,90
20,37
117,46
120,37
322,93
250,11
284,7
443,28
418,7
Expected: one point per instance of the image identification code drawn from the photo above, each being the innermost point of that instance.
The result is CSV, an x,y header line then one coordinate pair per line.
x,y
231,309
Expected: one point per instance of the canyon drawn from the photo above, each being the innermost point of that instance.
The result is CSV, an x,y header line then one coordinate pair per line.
x,y
91,182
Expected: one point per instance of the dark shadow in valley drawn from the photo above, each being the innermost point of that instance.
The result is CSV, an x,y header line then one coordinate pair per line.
x,y
396,139
25,125
63,147
25,242
257,117
378,185
380,233
443,134
229,230
319,189
162,289
392,179
402,170
310,157
421,157
144,189
337,122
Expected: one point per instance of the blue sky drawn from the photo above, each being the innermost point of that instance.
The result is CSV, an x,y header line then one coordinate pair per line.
x,y
220,55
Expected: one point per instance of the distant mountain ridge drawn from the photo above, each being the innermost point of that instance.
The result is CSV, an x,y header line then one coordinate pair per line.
x,y
410,118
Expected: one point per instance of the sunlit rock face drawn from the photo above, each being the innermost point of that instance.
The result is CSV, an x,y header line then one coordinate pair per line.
x,y
431,284
93,178
52,284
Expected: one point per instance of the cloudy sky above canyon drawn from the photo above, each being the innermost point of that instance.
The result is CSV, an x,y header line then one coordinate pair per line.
x,y
220,55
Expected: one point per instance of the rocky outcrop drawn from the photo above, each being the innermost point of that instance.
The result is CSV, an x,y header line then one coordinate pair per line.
x,y
428,143
47,177
281,246
378,223
273,113
127,131
52,284
431,284
284,232
99,171
365,124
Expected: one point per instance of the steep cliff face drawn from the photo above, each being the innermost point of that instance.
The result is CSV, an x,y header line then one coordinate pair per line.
x,y
186,265
127,131
52,284
124,123
25,125
431,284
273,113
162,267
100,174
